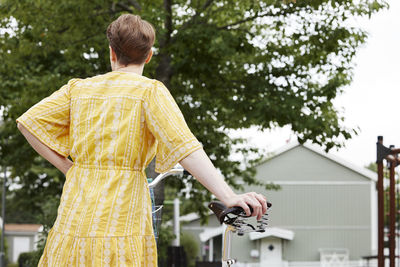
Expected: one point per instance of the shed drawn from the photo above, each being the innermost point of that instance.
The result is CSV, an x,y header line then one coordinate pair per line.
x,y
21,238
325,204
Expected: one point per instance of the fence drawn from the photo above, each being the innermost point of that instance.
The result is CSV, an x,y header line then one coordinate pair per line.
x,y
208,264
359,263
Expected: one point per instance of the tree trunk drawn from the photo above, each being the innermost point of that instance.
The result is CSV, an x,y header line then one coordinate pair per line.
x,y
164,69
163,74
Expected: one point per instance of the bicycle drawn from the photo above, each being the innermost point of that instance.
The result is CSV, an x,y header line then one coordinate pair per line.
x,y
237,222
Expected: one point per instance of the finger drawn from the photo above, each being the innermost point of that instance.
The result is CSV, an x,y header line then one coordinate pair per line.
x,y
258,208
245,207
253,202
250,201
247,202
263,207
260,212
263,202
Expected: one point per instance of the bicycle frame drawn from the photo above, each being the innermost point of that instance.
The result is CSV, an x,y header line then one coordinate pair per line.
x,y
226,256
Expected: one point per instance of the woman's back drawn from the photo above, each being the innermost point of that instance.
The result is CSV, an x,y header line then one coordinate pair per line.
x,y
108,122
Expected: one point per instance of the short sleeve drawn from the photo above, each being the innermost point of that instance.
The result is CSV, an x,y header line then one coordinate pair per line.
x,y
49,120
167,124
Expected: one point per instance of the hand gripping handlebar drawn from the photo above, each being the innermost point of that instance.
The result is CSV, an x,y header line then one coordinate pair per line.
x,y
237,217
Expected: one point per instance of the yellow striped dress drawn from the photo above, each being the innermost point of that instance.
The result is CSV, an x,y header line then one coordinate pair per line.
x,y
111,125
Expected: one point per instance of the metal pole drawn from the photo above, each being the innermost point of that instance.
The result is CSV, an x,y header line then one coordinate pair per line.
x,y
3,218
176,241
379,185
392,216
397,221
210,250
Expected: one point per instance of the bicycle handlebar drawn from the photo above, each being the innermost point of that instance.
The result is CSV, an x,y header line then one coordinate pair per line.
x,y
221,211
162,176
236,218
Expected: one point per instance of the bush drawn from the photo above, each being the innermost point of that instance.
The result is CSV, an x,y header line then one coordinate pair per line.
x,y
191,248
165,238
29,259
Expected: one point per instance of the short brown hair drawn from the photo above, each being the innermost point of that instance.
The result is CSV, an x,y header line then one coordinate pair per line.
x,y
131,38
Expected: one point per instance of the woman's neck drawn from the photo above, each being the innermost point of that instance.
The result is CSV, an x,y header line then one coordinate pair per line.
x,y
137,69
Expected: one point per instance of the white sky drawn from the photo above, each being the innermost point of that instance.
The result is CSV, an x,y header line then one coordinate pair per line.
x,y
371,102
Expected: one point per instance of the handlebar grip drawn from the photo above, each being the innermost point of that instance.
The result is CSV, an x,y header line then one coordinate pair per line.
x,y
250,207
220,210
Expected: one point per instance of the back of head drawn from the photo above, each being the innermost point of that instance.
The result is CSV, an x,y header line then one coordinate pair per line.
x,y
131,38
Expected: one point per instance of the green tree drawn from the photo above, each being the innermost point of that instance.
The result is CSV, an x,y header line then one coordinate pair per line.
x,y
229,65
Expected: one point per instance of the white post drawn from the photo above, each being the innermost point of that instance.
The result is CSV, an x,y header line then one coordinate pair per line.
x,y
211,250
3,220
176,242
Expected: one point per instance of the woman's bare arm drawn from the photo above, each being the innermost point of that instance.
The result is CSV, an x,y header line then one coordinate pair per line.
x,y
201,167
59,161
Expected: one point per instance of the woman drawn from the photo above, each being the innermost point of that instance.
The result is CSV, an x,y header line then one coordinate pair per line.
x,y
112,125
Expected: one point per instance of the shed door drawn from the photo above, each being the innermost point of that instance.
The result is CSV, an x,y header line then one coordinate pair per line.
x,y
21,244
271,251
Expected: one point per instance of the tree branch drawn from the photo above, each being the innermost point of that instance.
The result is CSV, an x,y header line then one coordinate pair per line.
x,y
106,12
192,19
135,4
63,30
125,7
203,8
85,39
245,20
206,5
113,7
